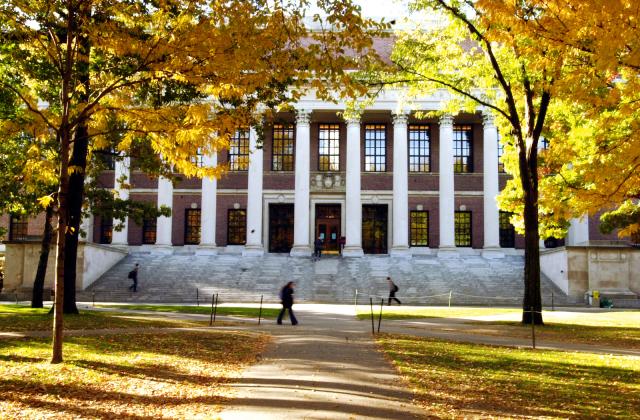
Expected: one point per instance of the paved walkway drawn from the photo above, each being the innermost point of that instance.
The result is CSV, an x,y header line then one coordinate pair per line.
x,y
325,368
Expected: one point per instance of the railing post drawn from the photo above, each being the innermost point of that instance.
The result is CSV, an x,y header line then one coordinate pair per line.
x,y
380,316
93,296
355,301
553,306
213,298
197,297
533,329
215,308
373,327
450,292
260,312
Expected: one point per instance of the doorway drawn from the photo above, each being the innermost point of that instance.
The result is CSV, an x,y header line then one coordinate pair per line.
x,y
374,228
328,227
280,227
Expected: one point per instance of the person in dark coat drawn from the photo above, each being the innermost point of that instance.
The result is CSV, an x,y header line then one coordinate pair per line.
x,y
133,275
393,288
286,296
317,248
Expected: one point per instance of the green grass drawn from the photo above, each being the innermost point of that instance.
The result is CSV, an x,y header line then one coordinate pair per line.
x,y
399,312
24,318
144,375
611,328
468,380
205,310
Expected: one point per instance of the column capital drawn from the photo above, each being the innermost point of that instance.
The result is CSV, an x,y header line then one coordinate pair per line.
x,y
352,119
487,119
303,116
446,120
400,117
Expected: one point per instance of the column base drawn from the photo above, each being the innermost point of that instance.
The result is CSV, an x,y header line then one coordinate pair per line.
x,y
400,251
492,253
253,251
448,252
352,251
211,249
301,251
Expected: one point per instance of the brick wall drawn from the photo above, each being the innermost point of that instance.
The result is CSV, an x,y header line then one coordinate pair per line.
x,y
142,180
181,202
224,203
134,235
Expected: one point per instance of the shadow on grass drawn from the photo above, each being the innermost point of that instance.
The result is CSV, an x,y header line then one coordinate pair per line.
x,y
517,382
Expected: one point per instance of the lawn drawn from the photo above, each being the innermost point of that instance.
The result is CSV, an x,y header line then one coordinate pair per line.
x,y
24,318
173,375
238,311
469,380
609,328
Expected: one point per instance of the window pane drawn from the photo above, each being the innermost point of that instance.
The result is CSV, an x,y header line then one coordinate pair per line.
x,y
507,231
106,231
192,226
419,148
236,227
18,228
462,153
419,228
149,231
463,228
375,144
239,151
329,147
282,154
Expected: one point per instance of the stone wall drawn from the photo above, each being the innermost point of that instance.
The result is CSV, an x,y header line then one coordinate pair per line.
x,y
22,259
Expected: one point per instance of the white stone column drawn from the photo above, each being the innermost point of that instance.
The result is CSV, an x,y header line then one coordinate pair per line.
x,y
578,233
353,228
87,227
254,247
301,238
164,224
491,247
208,209
446,189
122,177
400,246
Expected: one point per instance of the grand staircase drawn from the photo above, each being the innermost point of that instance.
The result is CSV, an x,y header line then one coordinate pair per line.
x,y
190,278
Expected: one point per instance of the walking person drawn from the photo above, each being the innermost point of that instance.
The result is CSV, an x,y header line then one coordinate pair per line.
x,y
286,296
133,275
393,288
317,248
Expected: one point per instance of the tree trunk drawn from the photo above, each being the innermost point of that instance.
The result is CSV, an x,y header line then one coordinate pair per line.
x,y
38,283
76,179
532,301
58,324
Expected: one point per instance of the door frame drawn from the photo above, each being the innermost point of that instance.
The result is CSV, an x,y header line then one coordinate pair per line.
x,y
269,230
339,219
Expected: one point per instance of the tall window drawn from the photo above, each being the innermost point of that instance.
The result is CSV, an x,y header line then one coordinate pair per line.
x,y
419,228
18,228
463,228
375,148
419,148
149,231
192,226
329,147
500,153
107,158
236,227
282,154
462,152
507,231
239,151
106,230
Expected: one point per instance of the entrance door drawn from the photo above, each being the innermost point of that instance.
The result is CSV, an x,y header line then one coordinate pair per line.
x,y
280,227
374,228
328,227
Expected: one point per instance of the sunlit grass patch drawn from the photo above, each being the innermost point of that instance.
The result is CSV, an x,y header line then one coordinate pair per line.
x,y
465,380
410,312
176,375
238,311
24,318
